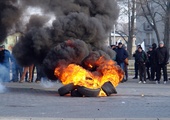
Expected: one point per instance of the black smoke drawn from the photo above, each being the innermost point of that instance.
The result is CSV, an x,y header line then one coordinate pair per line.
x,y
9,15
80,26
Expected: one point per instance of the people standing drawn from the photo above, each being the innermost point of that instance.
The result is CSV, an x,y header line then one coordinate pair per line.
x,y
135,64
26,69
17,70
148,63
5,57
153,62
126,61
40,73
141,59
121,55
162,56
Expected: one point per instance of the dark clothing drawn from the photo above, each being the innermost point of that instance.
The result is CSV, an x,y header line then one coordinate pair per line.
x,y
6,55
142,72
2,56
148,64
164,68
126,72
162,56
136,69
40,72
141,60
121,55
153,63
141,57
16,70
135,64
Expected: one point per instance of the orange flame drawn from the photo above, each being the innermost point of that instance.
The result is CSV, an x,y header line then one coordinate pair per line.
x,y
107,70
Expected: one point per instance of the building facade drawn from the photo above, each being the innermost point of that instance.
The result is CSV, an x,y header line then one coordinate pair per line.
x,y
145,32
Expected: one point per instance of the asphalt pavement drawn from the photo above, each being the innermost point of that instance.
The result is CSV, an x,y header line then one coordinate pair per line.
x,y
35,101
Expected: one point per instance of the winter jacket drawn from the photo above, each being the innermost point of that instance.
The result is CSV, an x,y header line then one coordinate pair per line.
x,y
162,55
121,55
7,57
153,58
135,55
148,63
141,57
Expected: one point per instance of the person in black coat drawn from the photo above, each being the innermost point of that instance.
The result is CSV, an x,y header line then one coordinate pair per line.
x,y
162,56
121,55
153,61
135,64
141,60
148,63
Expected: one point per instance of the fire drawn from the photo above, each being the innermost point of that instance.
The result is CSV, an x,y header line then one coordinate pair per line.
x,y
106,70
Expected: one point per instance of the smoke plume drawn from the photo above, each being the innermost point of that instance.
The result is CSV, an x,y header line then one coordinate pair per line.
x,y
81,26
9,15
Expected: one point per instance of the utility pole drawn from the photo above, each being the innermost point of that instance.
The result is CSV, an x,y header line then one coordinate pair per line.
x,y
114,42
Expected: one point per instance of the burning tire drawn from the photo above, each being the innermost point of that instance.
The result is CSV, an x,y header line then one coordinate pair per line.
x,y
66,89
108,88
75,93
87,92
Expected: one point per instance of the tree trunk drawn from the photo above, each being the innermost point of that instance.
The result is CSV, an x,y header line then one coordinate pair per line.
x,y
167,26
131,29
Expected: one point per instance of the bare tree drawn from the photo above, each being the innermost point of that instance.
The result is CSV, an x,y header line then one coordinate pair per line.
x,y
151,16
165,6
131,27
130,12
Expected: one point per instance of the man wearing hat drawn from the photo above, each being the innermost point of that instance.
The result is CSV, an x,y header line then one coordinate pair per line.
x,y
162,56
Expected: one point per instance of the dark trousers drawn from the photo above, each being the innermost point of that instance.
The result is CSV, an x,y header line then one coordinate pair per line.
x,y
40,72
136,69
158,74
142,72
148,72
153,71
126,72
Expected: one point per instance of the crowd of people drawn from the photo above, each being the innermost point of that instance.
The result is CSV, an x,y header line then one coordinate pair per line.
x,y
154,60
148,63
19,74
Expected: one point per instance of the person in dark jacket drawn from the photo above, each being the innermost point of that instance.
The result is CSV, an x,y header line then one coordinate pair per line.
x,y
162,56
153,62
5,57
121,56
141,60
126,66
135,64
148,63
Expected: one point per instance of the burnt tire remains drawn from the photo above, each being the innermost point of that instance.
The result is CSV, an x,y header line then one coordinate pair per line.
x,y
66,89
75,93
87,92
108,88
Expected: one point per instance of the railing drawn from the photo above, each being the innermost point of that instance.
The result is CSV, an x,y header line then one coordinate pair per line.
x,y
131,70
